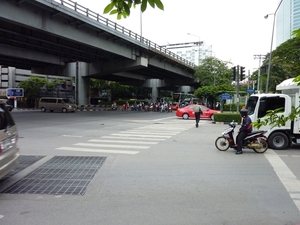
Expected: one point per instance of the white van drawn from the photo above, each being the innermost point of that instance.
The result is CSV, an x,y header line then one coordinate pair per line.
x,y
57,104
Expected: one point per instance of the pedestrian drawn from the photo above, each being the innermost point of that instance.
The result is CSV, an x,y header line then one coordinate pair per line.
x,y
197,111
244,130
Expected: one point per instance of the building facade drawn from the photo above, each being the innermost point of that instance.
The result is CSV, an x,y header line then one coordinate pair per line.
x,y
194,52
287,20
10,77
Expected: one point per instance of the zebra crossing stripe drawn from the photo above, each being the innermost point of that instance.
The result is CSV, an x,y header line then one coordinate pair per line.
x,y
97,150
138,138
111,146
133,138
149,133
141,135
125,142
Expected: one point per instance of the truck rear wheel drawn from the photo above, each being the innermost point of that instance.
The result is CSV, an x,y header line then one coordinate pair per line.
x,y
278,141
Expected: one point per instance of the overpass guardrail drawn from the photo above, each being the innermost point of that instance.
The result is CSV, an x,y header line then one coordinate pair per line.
x,y
101,19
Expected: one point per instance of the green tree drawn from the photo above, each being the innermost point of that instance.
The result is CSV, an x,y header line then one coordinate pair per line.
x,y
97,85
213,71
122,7
210,94
117,90
33,86
214,77
285,64
52,86
33,89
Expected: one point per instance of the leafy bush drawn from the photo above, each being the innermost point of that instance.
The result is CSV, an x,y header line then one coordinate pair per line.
x,y
227,117
231,107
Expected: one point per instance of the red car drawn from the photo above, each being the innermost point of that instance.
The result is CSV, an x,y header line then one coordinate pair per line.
x,y
188,112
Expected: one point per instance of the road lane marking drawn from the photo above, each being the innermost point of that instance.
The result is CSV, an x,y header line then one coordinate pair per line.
x,y
112,146
134,138
294,156
66,135
148,133
97,150
140,135
286,176
121,141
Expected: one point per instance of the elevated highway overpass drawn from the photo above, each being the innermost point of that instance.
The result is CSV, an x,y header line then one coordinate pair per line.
x,y
64,38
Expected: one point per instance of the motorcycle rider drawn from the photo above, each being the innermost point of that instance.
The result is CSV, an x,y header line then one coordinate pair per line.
x,y
245,128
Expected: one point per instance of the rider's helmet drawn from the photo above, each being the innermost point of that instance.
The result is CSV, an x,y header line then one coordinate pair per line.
x,y
244,112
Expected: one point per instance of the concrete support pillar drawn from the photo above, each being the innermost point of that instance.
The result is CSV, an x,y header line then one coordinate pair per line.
x,y
154,84
186,89
82,88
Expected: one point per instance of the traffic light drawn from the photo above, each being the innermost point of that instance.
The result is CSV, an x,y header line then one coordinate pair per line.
x,y
242,73
233,73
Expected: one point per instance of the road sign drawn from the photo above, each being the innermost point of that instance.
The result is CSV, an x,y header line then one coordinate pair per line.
x,y
225,96
14,92
250,90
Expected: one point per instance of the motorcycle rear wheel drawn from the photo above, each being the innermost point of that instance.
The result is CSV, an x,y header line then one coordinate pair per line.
x,y
222,144
263,146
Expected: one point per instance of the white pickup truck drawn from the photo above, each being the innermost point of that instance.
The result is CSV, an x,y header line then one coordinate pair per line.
x,y
279,137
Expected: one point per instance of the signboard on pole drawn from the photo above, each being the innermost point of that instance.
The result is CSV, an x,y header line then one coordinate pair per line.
x,y
250,91
14,92
225,96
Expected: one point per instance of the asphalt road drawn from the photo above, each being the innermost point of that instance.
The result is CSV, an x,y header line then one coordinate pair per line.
x,y
158,170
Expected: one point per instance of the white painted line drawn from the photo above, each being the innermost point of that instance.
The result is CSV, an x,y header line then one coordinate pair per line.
x,y
133,138
146,132
71,136
166,118
286,176
294,156
127,142
112,146
97,150
165,129
141,135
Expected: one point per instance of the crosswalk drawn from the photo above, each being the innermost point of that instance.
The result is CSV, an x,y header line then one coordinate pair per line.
x,y
131,141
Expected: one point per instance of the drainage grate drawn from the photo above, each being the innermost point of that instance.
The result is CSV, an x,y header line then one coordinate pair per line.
x,y
69,175
24,162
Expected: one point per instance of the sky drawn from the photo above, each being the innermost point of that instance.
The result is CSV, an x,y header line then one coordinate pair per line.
x,y
236,29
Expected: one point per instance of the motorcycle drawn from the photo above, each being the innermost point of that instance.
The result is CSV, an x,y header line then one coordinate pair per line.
x,y
114,107
255,140
170,108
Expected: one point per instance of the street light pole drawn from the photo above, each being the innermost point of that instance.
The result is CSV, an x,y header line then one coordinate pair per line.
x,y
270,55
141,24
260,57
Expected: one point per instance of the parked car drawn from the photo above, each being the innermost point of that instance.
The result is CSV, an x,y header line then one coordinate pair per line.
x,y
188,112
9,151
8,106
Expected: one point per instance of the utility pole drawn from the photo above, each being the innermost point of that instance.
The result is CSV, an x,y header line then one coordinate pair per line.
x,y
237,77
260,57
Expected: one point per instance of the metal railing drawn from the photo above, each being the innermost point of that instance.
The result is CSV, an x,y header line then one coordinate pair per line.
x,y
97,17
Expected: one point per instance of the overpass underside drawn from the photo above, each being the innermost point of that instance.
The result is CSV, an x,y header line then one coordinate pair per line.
x,y
47,37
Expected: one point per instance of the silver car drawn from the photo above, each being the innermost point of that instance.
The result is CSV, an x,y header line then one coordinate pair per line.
x,y
9,151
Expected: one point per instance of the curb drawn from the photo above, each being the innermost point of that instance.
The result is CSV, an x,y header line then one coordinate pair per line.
x,y
96,108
